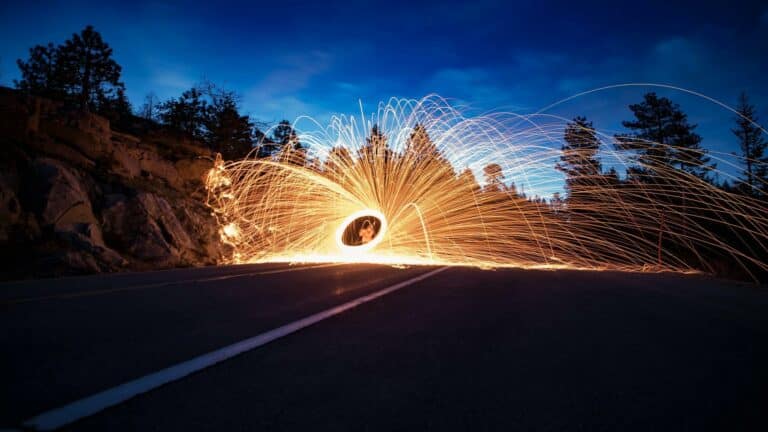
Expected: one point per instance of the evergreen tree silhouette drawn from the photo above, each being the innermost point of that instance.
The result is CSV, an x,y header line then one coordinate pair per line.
x,y
753,146
661,137
287,139
80,71
494,178
578,161
88,68
226,130
41,74
150,110
187,114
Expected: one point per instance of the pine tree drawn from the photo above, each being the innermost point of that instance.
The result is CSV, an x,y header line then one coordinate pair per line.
x,y
41,74
494,178
467,181
266,146
285,135
753,146
579,160
117,108
662,138
512,190
420,147
187,114
376,151
150,110
226,131
88,69
424,157
291,149
81,72
338,161
556,203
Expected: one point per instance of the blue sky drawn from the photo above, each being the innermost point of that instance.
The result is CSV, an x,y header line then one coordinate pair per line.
x,y
290,58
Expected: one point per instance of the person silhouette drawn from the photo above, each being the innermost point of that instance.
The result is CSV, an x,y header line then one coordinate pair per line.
x,y
366,232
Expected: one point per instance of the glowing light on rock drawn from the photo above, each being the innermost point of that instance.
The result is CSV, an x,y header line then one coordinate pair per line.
x,y
230,231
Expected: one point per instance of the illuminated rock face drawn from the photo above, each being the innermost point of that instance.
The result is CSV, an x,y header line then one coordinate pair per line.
x,y
146,227
78,197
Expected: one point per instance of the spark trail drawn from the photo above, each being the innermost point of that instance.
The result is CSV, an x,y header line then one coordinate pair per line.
x,y
416,172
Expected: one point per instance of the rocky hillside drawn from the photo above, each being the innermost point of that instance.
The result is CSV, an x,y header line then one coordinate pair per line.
x,y
78,197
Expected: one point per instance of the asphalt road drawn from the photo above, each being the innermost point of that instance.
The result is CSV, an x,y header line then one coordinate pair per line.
x,y
464,349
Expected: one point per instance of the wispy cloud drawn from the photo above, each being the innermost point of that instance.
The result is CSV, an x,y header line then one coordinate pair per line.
x,y
348,87
278,94
469,86
170,81
277,108
293,72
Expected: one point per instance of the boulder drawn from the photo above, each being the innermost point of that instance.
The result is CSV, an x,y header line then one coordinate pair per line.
x,y
65,200
162,213
196,219
10,209
87,239
66,208
147,228
75,262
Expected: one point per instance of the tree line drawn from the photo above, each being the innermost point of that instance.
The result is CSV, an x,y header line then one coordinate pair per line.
x,y
82,73
662,141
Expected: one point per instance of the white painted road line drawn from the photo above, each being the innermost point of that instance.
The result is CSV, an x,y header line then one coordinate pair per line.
x,y
90,405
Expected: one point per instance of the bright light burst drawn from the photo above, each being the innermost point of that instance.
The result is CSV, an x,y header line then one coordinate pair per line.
x,y
417,178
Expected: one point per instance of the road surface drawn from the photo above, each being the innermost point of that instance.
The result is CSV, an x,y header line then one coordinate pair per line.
x,y
459,349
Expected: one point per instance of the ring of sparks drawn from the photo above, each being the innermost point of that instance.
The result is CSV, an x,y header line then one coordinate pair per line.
x,y
456,190
378,237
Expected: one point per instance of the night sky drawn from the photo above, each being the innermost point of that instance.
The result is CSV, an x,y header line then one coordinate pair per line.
x,y
288,58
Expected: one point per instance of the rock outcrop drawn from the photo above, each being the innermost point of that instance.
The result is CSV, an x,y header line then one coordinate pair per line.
x,y
78,197
147,229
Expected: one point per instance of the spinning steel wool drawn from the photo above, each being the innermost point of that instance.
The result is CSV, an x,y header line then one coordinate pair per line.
x,y
400,188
